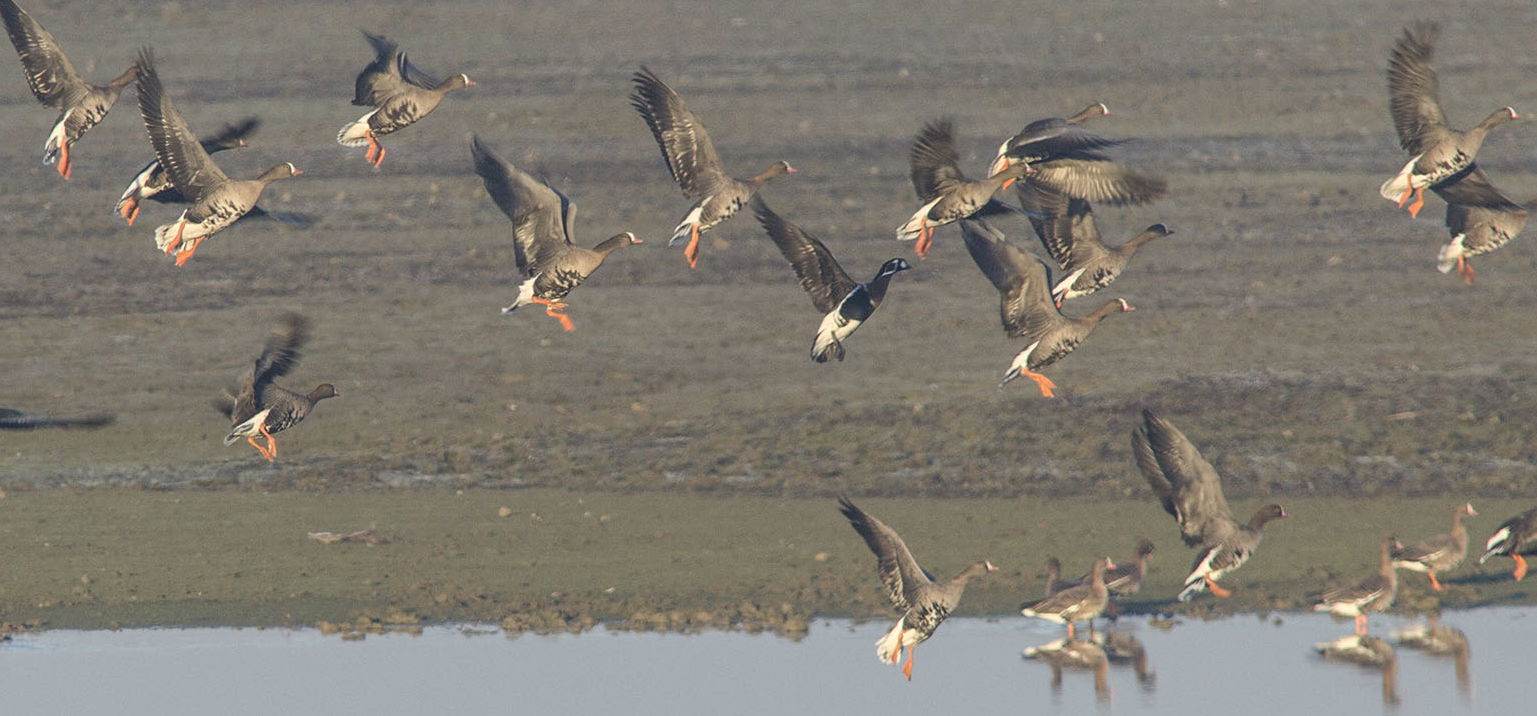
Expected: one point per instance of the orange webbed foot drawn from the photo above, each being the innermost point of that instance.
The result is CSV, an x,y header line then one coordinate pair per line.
x,y
691,252
1216,590
64,166
185,254
1520,572
1041,382
1419,203
907,669
925,240
1465,270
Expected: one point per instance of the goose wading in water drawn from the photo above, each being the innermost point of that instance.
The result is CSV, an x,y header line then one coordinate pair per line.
x,y
923,601
948,196
846,304
1026,308
1439,553
261,407
542,220
1514,538
153,182
1074,604
1374,593
58,85
399,93
217,200
1439,152
691,157
1190,490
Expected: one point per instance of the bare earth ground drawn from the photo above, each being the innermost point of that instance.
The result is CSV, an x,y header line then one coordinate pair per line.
x,y
1294,326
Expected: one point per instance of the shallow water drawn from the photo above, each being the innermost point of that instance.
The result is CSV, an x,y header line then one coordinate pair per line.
x,y
1193,667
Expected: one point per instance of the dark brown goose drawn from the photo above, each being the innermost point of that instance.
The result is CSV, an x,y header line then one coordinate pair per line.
x,y
542,220
400,94
217,200
153,182
923,601
1190,490
1438,553
11,419
1074,604
1070,235
935,169
261,407
1514,537
57,85
846,305
1026,308
1480,219
1371,594
691,157
1439,152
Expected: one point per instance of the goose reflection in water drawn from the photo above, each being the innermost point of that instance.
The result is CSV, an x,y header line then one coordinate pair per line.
x,y
1095,654
1370,652
1436,639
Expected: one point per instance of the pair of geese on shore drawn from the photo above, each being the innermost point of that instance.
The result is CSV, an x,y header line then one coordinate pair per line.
x,y
1190,490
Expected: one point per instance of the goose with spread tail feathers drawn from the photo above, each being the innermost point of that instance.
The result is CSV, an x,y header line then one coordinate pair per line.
x,y
58,85
1480,219
1514,538
1026,307
846,304
153,182
261,407
1078,603
923,601
948,196
691,157
217,200
1438,553
542,231
1190,490
1373,593
400,93
1070,235
1440,153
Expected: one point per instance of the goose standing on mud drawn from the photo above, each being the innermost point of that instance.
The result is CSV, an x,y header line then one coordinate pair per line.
x,y
153,182
1439,553
217,200
57,85
691,157
1078,603
948,196
262,407
1514,537
1071,237
1190,489
1480,219
923,601
542,230
400,94
1026,307
1374,593
1440,153
846,304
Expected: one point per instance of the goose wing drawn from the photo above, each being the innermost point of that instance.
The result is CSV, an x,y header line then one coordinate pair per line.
x,y
818,271
1023,282
186,162
898,570
53,79
541,216
1194,487
685,144
933,162
1414,92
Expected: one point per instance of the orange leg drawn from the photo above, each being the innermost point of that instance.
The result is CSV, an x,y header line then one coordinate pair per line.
x,y
176,240
64,167
1408,192
896,654
1435,583
130,210
1041,382
691,252
184,254
1520,572
272,443
1360,624
1465,270
925,239
907,669
1072,631
552,309
1217,591
252,440
1419,203
373,148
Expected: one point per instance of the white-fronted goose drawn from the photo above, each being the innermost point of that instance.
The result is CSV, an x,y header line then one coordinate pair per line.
x,y
1071,237
1371,594
1053,135
1067,161
846,305
1439,553
1514,538
1480,219
1124,578
691,157
542,230
1026,307
152,182
217,200
1075,604
923,601
261,407
1190,489
400,94
947,194
12,419
1414,94
57,85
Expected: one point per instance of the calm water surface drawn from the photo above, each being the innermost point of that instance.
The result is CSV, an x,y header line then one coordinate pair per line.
x,y
1246,665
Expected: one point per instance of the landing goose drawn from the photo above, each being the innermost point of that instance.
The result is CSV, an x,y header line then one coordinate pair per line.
x,y
57,85
1068,162
1439,553
1480,219
1053,134
261,407
923,601
399,93
153,182
1070,235
1373,593
1514,538
1439,152
948,196
1190,490
846,304
1026,307
542,230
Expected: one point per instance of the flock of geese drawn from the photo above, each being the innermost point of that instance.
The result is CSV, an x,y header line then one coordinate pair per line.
x,y
1056,165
